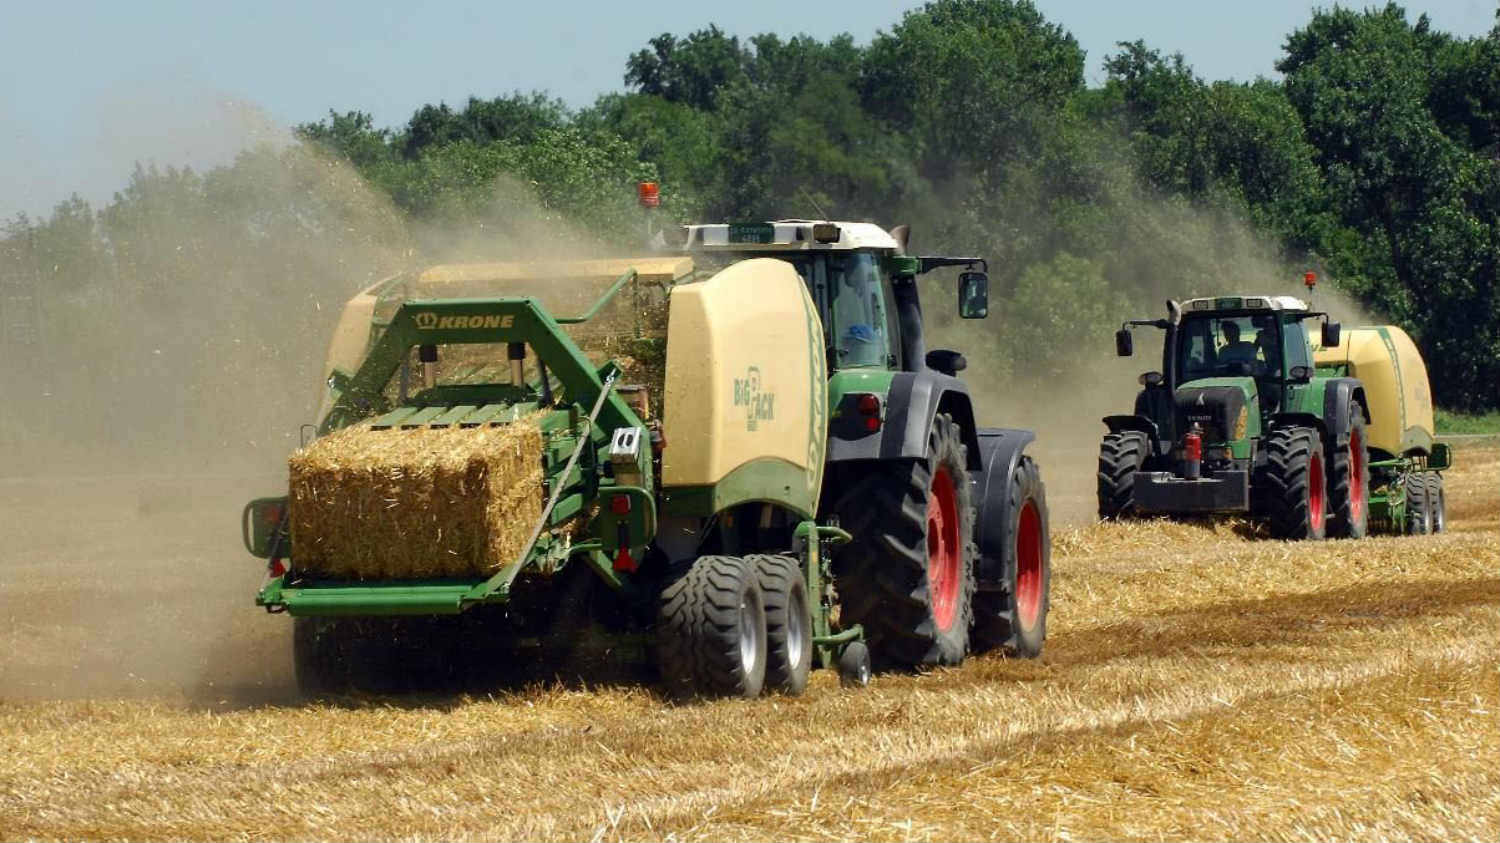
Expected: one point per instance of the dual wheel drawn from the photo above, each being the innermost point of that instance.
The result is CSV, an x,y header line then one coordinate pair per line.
x,y
734,626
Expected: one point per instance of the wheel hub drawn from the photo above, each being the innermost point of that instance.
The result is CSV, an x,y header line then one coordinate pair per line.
x,y
748,639
1356,477
943,549
1029,565
1315,491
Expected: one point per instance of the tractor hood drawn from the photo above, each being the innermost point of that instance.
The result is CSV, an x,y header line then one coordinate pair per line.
x,y
1219,406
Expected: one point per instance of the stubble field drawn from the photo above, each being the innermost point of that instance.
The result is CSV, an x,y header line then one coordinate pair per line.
x,y
1196,685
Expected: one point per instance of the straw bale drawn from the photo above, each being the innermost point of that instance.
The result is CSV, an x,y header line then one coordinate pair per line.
x,y
399,504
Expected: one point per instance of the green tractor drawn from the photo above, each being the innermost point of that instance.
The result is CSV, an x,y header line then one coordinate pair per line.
x,y
1247,416
781,474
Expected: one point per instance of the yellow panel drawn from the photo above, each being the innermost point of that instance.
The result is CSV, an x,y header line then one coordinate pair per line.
x,y
663,269
1387,362
745,376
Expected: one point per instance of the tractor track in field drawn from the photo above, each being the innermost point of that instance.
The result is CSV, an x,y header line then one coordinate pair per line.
x,y
1196,684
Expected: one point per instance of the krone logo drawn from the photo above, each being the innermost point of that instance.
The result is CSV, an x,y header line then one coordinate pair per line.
x,y
427,321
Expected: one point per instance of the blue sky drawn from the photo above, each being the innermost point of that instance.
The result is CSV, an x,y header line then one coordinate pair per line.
x,y
87,89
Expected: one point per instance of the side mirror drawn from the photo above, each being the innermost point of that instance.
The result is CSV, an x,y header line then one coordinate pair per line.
x,y
1330,334
1301,374
1124,343
973,295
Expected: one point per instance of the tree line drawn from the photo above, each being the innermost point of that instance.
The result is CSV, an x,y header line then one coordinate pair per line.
x,y
1374,160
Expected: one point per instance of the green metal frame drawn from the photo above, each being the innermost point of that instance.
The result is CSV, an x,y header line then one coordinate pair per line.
x,y
813,543
470,321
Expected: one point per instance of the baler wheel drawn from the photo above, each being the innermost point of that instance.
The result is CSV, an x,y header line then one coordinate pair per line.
x,y
854,665
908,575
1013,616
711,630
1419,520
1291,486
789,647
1437,501
1349,481
1121,455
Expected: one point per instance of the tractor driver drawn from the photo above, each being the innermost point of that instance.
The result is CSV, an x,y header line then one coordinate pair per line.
x,y
1234,349
858,314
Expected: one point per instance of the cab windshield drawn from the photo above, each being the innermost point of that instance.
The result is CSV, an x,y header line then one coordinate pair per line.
x,y
851,300
1228,346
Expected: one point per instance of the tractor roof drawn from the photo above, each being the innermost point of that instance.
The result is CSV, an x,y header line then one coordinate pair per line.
x,y
790,235
1242,303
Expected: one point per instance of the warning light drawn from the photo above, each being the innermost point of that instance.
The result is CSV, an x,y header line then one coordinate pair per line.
x,y
649,194
1310,279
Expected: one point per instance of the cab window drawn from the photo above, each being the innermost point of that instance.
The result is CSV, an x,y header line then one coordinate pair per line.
x,y
1226,346
1294,343
859,330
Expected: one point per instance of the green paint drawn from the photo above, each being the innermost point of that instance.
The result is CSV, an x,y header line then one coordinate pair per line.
x,y
847,381
761,480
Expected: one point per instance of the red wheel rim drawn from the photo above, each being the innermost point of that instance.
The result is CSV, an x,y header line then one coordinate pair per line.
x,y
1356,477
943,550
1315,491
1029,566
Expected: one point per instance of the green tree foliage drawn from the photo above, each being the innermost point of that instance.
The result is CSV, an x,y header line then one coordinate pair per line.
x,y
967,80
689,70
1376,160
1417,203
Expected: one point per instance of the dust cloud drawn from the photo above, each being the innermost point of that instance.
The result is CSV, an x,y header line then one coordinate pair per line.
x,y
1045,358
164,353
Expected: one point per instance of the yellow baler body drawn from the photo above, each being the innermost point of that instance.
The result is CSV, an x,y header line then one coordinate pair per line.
x,y
746,391
1387,362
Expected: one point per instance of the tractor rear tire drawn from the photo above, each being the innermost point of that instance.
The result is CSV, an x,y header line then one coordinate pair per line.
x,y
1420,516
1437,502
320,656
1349,482
1012,615
789,647
711,630
1291,484
908,576
1121,455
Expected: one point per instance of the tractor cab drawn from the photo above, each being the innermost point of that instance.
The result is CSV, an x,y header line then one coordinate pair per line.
x,y
1226,340
859,278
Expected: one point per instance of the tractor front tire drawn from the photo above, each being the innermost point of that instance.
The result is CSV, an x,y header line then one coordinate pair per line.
x,y
789,647
1121,455
1291,484
1012,615
1349,481
908,576
711,630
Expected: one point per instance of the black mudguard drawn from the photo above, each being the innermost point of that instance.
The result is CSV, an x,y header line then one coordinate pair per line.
x,y
914,400
1118,424
1336,397
999,452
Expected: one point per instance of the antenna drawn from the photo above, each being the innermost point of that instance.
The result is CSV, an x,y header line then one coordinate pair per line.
x,y
816,207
